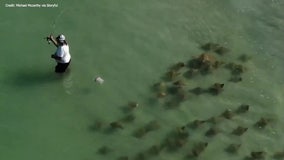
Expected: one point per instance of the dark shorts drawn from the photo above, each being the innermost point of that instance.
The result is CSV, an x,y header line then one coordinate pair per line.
x,y
61,67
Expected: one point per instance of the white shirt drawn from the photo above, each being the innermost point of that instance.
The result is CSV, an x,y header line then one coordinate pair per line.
x,y
63,52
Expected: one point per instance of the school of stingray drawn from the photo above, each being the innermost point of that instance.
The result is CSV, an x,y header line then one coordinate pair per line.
x,y
172,91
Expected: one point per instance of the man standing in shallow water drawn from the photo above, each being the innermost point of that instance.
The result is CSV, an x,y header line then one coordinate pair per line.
x,y
62,54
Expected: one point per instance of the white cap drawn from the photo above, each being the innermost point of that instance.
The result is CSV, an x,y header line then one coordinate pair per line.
x,y
61,38
99,80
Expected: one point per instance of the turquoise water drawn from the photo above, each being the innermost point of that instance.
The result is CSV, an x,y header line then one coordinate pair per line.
x,y
131,45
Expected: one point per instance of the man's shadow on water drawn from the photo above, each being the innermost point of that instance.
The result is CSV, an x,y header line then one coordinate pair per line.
x,y
28,77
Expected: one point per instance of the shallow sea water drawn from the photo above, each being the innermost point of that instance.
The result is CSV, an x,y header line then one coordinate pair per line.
x,y
132,44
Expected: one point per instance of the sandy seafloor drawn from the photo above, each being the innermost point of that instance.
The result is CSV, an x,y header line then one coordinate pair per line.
x,y
131,44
